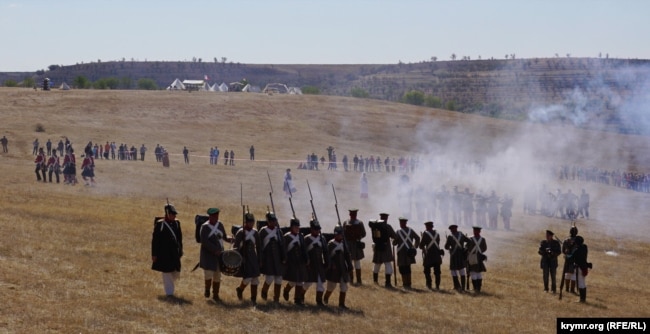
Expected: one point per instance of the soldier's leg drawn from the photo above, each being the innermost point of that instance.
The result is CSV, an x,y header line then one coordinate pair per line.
x,y
462,279
454,277
330,287
343,288
298,294
436,273
427,276
582,285
254,282
545,272
207,276
268,280
375,273
216,284
389,272
287,289
357,269
276,288
553,272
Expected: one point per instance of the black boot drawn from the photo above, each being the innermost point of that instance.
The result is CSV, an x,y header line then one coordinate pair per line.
x,y
479,284
375,278
437,282
462,283
456,283
474,285
427,278
388,285
583,295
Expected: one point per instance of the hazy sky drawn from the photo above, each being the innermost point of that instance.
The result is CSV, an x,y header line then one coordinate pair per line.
x,y
37,33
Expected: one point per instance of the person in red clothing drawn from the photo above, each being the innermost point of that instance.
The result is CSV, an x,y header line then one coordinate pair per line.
x,y
88,170
53,166
39,161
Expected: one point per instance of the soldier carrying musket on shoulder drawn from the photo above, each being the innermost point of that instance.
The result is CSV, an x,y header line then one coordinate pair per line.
x,y
407,242
432,254
271,256
318,260
296,262
338,268
455,244
247,243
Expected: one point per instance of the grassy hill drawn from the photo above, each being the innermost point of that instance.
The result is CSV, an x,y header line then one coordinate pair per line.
x,y
77,259
591,93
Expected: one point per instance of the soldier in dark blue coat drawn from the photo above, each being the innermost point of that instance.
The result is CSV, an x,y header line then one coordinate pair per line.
x,y
549,249
272,255
247,243
455,244
295,272
318,260
167,248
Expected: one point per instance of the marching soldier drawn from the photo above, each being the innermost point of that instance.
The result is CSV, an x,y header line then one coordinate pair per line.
x,y
432,253
54,166
272,255
212,235
167,248
247,243
549,249
39,162
295,263
582,267
455,244
407,242
337,270
568,247
476,247
318,260
382,233
354,232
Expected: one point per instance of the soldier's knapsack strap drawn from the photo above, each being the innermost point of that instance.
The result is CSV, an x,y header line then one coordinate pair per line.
x,y
433,240
406,240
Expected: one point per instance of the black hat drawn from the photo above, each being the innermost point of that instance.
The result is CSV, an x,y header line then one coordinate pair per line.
x,y
403,219
270,216
476,228
353,210
573,231
212,211
549,232
249,217
314,224
453,227
294,222
338,230
170,209
429,223
579,240
383,215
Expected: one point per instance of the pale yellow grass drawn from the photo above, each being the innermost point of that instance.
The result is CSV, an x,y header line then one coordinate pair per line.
x,y
77,259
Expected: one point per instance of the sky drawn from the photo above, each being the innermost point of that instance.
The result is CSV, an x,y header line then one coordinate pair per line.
x,y
37,33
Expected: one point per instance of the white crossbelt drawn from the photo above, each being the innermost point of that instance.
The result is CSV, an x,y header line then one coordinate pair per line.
x,y
339,247
315,241
406,240
433,240
295,240
271,236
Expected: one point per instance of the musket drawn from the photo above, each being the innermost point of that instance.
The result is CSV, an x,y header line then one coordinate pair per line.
x,y
270,192
241,201
336,206
338,216
311,201
290,196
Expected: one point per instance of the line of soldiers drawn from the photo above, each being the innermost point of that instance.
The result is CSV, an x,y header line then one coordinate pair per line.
x,y
562,205
467,254
302,260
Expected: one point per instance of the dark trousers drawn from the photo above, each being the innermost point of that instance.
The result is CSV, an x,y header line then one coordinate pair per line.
x,y
50,175
549,272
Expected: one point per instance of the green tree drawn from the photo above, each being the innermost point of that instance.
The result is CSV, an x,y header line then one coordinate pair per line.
x,y
147,84
451,105
432,101
53,67
359,92
126,83
100,84
311,90
112,83
81,82
29,82
10,83
414,97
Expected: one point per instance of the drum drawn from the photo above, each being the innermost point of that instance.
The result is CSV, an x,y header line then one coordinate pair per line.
x,y
231,261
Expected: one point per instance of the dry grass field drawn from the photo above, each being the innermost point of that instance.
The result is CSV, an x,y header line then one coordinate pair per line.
x,y
76,259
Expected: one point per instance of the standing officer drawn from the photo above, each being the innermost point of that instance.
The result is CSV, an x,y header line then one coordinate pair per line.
x,y
354,232
338,268
455,244
407,242
476,247
549,249
432,253
167,248
246,243
272,255
212,235
382,233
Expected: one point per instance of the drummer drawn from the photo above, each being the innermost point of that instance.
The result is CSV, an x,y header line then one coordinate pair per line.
x,y
213,234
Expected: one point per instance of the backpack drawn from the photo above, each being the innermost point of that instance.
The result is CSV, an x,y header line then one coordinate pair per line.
x,y
198,221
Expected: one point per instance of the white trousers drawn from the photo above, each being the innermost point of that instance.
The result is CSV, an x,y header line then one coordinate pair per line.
x,y
169,280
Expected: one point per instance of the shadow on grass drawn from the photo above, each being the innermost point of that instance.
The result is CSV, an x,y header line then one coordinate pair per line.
x,y
174,300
